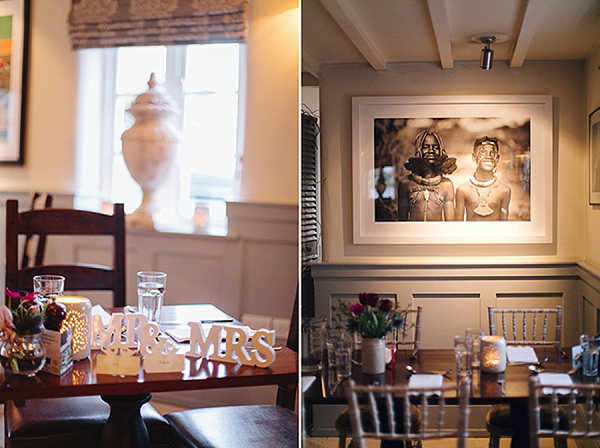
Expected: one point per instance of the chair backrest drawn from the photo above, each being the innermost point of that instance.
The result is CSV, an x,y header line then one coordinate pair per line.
x,y
383,412
52,221
572,409
527,326
41,241
409,334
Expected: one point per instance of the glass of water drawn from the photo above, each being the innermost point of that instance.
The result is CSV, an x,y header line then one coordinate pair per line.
x,y
151,291
48,287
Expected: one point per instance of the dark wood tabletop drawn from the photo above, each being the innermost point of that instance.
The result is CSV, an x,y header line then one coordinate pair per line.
x,y
199,373
487,388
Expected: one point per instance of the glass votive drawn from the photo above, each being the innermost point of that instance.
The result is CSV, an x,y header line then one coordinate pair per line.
x,y
79,318
493,354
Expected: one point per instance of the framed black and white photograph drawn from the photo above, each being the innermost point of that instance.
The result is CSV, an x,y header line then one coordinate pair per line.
x,y
14,38
452,169
594,160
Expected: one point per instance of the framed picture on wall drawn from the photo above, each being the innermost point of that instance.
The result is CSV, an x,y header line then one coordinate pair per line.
x,y
594,159
452,170
14,49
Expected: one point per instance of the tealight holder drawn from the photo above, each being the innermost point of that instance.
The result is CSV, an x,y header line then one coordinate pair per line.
x,y
493,354
79,318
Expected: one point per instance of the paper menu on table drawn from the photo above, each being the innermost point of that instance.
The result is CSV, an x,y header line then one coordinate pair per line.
x,y
421,380
555,379
520,354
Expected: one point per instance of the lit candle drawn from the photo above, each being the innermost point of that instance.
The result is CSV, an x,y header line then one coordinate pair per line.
x,y
493,354
79,317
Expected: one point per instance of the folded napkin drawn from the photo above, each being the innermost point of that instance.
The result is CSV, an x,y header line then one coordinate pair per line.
x,y
421,380
555,379
520,354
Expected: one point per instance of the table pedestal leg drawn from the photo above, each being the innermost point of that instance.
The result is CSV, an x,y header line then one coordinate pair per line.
x,y
125,427
519,416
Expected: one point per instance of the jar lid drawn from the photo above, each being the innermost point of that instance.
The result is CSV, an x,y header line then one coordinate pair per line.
x,y
153,100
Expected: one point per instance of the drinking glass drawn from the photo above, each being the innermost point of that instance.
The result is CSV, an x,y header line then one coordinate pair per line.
x,y
48,287
151,291
590,354
314,334
474,336
462,353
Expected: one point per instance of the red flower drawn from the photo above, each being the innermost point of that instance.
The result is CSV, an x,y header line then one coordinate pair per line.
x,y
368,298
385,305
357,309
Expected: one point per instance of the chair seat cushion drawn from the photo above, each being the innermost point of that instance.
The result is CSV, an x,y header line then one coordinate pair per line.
x,y
498,419
343,423
72,421
260,426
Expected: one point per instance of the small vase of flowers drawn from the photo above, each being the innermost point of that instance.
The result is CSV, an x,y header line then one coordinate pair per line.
x,y
372,319
21,350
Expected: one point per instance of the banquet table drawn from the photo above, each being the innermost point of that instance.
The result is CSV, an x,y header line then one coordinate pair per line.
x,y
133,391
510,387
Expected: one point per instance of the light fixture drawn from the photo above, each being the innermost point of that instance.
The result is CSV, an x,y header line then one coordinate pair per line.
x,y
487,54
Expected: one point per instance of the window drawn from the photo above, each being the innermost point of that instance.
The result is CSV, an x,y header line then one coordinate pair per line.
x,y
203,81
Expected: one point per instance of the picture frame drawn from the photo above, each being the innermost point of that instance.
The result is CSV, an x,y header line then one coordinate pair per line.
x,y
14,56
383,133
594,157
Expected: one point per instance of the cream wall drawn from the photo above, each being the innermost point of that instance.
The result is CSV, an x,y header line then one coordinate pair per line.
x,y
270,162
565,81
593,212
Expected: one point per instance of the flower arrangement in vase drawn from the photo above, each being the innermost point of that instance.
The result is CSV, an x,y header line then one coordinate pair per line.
x,y
21,350
372,319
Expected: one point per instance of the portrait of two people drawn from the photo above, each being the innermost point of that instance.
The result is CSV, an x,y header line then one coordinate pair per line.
x,y
473,179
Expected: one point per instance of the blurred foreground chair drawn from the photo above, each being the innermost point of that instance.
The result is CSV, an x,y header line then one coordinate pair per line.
x,y
76,421
40,248
572,411
408,336
536,327
249,426
387,414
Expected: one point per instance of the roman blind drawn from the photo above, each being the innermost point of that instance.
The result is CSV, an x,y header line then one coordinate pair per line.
x,y
121,23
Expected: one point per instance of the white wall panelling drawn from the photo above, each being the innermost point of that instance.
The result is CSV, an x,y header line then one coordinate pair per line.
x,y
457,296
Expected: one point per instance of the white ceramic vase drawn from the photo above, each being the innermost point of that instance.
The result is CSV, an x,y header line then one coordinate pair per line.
x,y
373,356
149,149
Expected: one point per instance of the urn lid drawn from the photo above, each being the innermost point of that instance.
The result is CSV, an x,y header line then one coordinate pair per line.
x,y
153,100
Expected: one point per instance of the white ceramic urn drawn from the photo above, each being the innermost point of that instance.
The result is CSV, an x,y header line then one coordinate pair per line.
x,y
149,148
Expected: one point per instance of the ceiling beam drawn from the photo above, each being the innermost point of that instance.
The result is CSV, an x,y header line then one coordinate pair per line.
x,y
438,11
310,64
349,23
533,13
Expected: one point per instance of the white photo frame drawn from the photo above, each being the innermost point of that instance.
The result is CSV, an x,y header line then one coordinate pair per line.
x,y
531,223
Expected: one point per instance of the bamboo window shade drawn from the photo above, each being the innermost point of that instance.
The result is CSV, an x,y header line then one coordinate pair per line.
x,y
121,23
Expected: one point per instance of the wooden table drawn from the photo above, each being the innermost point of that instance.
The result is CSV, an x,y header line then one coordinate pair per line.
x,y
133,391
510,387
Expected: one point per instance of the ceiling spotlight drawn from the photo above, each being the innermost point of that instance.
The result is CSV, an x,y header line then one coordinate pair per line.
x,y
487,54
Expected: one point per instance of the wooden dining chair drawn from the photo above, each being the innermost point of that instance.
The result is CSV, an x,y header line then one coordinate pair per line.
x,y
408,336
73,421
248,426
40,248
387,415
571,411
537,327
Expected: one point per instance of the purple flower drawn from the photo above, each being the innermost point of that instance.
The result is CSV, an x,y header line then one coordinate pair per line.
x,y
368,298
357,309
385,305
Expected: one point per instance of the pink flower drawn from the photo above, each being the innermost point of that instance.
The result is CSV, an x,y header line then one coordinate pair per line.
x,y
357,309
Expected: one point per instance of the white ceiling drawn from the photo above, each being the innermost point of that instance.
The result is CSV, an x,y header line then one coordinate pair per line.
x,y
382,32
